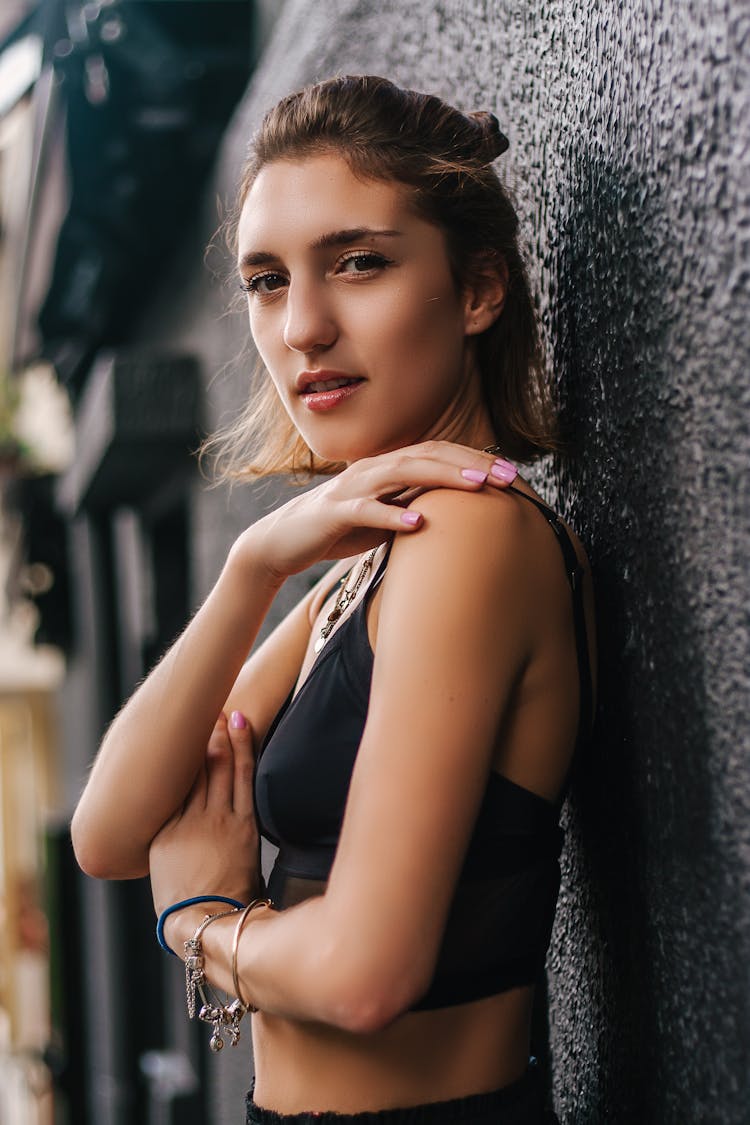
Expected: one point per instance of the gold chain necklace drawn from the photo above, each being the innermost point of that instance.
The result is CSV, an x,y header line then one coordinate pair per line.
x,y
345,599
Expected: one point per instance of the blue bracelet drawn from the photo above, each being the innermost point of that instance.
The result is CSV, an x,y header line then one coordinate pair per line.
x,y
188,902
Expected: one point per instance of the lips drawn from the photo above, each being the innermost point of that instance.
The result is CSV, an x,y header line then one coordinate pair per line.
x,y
317,382
323,391
329,385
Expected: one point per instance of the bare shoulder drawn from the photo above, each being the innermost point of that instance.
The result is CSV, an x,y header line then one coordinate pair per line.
x,y
464,508
501,519
464,573
491,550
490,530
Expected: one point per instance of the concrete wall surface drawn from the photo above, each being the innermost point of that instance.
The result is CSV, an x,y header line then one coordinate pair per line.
x,y
630,135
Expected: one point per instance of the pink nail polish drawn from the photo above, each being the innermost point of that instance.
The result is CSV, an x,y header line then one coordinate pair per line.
x,y
238,721
474,475
411,518
504,470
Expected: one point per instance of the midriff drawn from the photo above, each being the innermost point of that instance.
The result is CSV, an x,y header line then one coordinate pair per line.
x,y
421,1057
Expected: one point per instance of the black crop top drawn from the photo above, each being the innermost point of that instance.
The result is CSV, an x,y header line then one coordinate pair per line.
x,y
500,919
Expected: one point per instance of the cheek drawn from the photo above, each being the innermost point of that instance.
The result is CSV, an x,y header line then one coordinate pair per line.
x,y
431,339
423,322
269,343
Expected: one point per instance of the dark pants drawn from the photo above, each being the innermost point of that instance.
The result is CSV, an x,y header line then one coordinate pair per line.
x,y
520,1103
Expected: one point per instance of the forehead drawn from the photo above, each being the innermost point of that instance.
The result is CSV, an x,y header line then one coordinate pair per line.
x,y
297,200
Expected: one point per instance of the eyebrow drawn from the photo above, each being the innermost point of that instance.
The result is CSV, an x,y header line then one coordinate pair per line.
x,y
333,238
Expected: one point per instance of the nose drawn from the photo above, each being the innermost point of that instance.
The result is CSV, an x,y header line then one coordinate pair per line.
x,y
310,324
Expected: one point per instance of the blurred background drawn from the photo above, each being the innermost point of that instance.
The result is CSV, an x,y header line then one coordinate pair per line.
x,y
123,127
111,115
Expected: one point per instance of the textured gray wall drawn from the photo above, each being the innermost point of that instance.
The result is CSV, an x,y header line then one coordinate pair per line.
x,y
630,136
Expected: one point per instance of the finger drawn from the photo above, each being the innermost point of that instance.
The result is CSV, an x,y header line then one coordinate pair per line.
x,y
377,516
404,498
389,479
392,480
219,766
197,793
241,737
500,471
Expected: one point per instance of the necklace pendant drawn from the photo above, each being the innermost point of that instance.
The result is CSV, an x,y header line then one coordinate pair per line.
x,y
325,632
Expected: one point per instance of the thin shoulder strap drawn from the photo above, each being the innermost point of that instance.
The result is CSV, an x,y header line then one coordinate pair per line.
x,y
575,573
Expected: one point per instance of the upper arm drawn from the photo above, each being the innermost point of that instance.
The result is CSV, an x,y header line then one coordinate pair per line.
x,y
452,639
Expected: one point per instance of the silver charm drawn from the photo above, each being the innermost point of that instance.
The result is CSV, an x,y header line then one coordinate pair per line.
x,y
224,1018
194,975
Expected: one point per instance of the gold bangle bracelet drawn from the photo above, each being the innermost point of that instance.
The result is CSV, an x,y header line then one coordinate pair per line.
x,y
236,944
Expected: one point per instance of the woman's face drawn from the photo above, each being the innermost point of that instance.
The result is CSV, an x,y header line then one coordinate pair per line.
x,y
354,311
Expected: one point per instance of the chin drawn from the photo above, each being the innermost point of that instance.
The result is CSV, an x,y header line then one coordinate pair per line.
x,y
348,452
342,454
348,440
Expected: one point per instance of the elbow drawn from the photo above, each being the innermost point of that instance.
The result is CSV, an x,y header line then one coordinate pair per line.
x,y
94,853
89,856
368,998
365,1015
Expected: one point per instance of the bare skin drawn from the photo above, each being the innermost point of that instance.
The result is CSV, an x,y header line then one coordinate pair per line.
x,y
451,1052
474,665
344,1056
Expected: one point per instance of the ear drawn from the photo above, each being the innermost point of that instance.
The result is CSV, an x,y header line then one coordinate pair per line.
x,y
484,295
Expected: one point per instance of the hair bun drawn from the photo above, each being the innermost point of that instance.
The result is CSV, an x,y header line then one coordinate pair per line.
x,y
492,143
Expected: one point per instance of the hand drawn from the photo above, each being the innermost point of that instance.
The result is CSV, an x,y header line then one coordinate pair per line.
x,y
211,844
365,504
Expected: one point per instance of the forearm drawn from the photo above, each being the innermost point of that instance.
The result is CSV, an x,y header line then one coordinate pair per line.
x,y
152,751
297,964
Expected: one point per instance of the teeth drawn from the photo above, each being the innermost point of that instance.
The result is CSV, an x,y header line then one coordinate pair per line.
x,y
331,385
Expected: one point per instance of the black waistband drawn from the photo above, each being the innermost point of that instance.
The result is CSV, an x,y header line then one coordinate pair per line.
x,y
519,1103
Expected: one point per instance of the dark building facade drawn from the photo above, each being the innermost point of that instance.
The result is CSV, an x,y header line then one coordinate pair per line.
x,y
630,146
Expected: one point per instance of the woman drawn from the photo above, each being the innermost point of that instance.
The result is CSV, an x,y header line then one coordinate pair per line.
x,y
436,681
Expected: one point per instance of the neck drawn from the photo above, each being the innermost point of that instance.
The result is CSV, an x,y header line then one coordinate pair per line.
x,y
465,419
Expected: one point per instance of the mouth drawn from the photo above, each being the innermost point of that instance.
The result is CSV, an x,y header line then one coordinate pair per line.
x,y
318,382
323,390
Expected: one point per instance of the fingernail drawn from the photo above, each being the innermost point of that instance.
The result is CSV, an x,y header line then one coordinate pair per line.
x,y
504,470
411,518
474,475
238,721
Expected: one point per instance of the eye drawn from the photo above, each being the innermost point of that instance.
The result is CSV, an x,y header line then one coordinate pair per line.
x,y
263,283
362,262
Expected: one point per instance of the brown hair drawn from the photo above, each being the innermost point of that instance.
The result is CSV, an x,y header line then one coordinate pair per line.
x,y
444,156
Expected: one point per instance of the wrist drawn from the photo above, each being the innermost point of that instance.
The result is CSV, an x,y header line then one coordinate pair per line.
x,y
180,926
172,927
245,559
